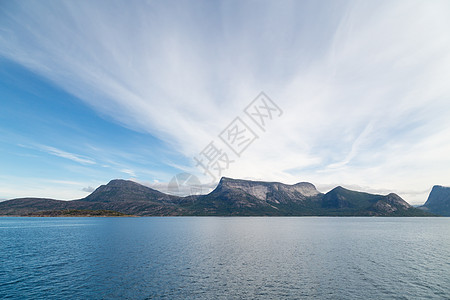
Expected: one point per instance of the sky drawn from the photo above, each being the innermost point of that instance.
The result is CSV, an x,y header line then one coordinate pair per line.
x,y
356,94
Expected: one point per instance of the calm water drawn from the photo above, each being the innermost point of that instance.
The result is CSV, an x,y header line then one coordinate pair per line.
x,y
224,258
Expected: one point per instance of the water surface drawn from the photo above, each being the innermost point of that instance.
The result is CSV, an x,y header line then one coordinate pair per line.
x,y
224,258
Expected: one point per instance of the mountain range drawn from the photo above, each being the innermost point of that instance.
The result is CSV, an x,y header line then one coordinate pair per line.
x,y
231,197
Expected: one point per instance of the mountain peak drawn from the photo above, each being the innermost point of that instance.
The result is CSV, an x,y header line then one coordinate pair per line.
x,y
339,189
394,199
225,180
268,191
372,204
124,190
121,182
439,200
439,187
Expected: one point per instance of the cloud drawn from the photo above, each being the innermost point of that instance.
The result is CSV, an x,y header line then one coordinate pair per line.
x,y
183,189
363,85
355,147
74,157
23,186
129,172
88,189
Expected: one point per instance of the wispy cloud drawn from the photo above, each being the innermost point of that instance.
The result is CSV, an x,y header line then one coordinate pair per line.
x,y
21,187
60,153
364,85
129,172
181,189
88,189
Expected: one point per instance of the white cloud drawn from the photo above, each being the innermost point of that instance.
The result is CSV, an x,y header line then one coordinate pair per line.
x,y
182,190
364,85
129,172
22,187
88,189
74,157
81,159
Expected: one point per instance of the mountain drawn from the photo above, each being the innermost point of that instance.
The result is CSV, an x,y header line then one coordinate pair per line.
x,y
231,197
119,190
24,206
245,197
341,201
438,201
132,198
122,196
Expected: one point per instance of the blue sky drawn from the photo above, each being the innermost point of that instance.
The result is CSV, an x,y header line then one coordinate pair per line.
x,y
96,90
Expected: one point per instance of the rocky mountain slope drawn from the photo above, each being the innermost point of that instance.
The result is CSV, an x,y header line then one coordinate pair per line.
x,y
122,196
438,201
231,197
341,201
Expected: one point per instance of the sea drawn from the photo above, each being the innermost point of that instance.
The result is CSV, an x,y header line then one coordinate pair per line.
x,y
225,258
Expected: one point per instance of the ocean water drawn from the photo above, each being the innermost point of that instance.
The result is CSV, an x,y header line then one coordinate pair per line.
x,y
225,258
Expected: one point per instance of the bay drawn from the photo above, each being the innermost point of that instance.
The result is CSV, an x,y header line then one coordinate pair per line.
x,y
225,258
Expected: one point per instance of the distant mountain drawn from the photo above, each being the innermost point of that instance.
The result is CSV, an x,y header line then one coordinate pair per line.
x,y
119,190
231,197
122,196
24,206
438,201
245,197
341,201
